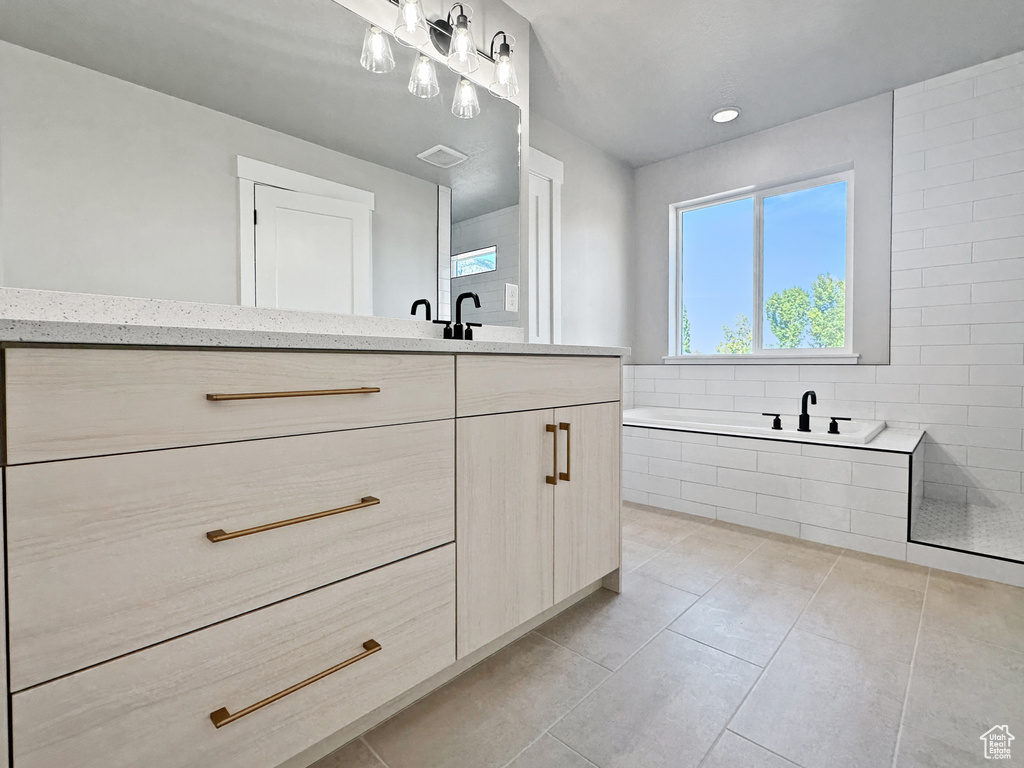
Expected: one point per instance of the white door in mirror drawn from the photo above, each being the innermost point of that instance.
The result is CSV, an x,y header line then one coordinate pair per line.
x,y
312,253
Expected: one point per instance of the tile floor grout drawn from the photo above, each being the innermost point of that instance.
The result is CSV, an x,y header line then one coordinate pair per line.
x,y
861,571
575,752
910,674
763,670
603,682
372,751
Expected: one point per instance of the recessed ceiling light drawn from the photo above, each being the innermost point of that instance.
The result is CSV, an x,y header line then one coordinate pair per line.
x,y
726,114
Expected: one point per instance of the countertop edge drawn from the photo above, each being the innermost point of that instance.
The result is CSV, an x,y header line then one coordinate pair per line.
x,y
99,334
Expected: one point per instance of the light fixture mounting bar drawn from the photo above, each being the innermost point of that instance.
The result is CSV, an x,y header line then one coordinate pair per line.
x,y
441,27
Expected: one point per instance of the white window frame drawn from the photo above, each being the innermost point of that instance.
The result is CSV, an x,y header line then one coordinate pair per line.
x,y
759,355
471,254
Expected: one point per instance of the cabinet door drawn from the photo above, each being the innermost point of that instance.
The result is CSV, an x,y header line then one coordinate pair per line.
x,y
503,523
587,532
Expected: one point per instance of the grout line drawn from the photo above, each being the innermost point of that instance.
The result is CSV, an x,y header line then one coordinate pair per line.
x,y
708,645
575,653
621,666
641,648
570,650
575,752
744,738
910,674
765,669
372,750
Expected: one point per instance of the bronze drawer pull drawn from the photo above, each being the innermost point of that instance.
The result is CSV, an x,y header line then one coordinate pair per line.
x,y
221,717
567,428
553,479
220,535
306,393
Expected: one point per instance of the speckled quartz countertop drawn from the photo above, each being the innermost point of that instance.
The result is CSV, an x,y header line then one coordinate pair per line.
x,y
72,318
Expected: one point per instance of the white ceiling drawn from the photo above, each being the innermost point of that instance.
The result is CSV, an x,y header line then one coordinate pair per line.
x,y
288,65
640,80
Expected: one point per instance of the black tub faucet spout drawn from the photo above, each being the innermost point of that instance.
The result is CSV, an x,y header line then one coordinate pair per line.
x,y
805,419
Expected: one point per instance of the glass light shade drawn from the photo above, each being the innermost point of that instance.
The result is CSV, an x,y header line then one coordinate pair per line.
x,y
377,56
423,82
411,28
466,105
462,55
505,84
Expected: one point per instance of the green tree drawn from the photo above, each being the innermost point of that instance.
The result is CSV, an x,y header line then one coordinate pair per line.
x,y
738,340
684,333
828,315
787,315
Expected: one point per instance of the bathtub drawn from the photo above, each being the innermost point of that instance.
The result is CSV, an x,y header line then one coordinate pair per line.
x,y
855,432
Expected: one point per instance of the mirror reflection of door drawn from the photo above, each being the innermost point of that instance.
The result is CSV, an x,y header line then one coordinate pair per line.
x,y
545,249
540,260
312,253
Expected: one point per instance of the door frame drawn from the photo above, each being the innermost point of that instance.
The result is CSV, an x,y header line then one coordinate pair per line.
x,y
252,172
552,171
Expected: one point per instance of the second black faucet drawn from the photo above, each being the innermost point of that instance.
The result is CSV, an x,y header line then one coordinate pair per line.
x,y
461,331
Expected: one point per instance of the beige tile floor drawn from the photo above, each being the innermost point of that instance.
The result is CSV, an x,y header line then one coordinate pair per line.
x,y
733,648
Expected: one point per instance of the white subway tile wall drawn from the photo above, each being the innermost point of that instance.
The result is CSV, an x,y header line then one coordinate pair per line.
x,y
847,497
957,357
500,228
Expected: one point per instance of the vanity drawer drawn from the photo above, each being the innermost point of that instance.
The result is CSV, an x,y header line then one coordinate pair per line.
x,y
111,554
67,403
498,384
153,708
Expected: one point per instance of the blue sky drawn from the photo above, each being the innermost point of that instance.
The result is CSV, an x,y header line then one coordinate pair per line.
x,y
804,236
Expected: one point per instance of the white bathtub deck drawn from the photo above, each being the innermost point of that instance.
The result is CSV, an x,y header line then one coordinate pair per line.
x,y
887,439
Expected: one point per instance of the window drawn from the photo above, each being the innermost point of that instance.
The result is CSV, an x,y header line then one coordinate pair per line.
x,y
765,273
475,262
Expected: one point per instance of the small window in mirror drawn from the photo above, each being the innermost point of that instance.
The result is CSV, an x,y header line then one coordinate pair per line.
x,y
475,262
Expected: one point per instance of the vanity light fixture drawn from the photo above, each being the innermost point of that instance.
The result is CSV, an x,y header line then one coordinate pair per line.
x,y
377,56
423,82
725,114
505,84
411,29
462,55
466,105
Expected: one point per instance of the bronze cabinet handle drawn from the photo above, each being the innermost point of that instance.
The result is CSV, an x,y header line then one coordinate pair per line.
x,y
306,393
553,478
220,535
221,717
567,428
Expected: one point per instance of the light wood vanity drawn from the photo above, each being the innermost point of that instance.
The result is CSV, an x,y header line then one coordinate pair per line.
x,y
223,557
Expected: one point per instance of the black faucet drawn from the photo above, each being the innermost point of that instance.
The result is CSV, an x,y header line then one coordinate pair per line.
x,y
805,419
416,305
458,330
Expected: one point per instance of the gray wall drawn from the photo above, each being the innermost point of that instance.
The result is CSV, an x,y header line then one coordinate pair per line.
x,y
500,228
107,187
597,239
860,134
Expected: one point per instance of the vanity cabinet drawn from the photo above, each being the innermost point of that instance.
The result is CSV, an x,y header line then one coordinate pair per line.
x,y
157,707
220,558
505,523
537,509
586,519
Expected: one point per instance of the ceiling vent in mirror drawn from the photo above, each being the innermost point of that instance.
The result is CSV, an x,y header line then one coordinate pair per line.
x,y
442,156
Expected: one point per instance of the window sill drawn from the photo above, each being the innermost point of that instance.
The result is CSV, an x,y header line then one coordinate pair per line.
x,y
841,358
